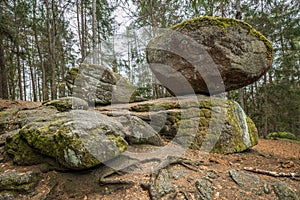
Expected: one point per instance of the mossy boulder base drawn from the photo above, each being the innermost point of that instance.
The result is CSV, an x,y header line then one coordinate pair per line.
x,y
209,55
203,123
76,140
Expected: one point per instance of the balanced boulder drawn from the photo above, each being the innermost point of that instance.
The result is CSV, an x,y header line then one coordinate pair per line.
x,y
209,55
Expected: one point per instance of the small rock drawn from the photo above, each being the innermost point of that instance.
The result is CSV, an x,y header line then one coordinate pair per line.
x,y
247,181
284,192
288,164
266,188
17,181
212,174
163,183
204,189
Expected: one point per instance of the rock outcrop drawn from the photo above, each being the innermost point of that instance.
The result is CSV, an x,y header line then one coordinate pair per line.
x,y
76,140
65,104
209,124
209,55
98,85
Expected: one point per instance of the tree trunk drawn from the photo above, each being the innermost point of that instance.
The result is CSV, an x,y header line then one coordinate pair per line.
x,y
241,90
51,53
3,77
32,74
94,25
266,113
24,80
82,30
18,54
44,94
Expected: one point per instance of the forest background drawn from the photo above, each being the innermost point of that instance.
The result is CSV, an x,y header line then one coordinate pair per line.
x,y
40,40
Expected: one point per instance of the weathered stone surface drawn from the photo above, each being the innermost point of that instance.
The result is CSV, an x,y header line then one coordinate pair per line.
x,y
19,181
76,140
12,118
284,192
209,55
204,189
209,124
163,184
139,132
249,182
4,136
6,119
99,85
65,104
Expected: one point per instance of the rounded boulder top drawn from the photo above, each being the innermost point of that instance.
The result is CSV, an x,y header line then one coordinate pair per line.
x,y
209,55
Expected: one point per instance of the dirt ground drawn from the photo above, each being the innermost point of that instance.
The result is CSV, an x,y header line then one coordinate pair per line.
x,y
271,155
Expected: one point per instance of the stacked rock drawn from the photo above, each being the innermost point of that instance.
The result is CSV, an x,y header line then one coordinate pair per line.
x,y
209,55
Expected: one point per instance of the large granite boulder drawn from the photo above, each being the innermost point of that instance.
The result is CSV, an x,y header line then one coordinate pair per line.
x,y
208,124
76,140
99,85
209,55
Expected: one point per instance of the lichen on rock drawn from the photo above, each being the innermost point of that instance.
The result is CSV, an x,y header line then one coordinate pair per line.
x,y
207,123
209,55
76,140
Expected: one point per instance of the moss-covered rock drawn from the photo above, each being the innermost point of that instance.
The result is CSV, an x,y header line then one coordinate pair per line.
x,y
76,140
19,181
205,123
7,118
284,192
281,135
65,104
209,55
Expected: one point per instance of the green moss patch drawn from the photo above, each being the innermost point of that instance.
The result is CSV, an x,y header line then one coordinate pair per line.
x,y
225,23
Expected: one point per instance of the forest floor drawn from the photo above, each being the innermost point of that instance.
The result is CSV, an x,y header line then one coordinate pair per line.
x,y
269,155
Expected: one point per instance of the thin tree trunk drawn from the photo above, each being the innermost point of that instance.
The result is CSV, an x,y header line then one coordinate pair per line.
x,y
32,75
3,78
18,54
24,80
82,30
94,25
44,96
19,74
51,55
78,11
266,113
222,8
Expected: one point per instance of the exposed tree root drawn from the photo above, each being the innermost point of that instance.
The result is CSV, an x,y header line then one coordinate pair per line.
x,y
171,160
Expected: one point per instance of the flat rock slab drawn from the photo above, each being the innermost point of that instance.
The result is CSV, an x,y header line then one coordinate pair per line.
x,y
209,55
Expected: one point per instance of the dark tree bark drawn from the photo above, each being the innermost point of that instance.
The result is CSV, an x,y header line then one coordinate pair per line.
x,y
3,77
